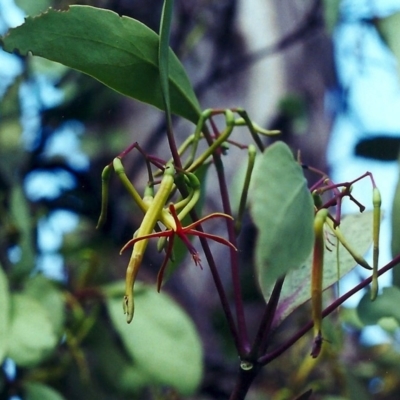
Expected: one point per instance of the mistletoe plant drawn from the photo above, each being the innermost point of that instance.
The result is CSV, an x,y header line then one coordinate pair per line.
x,y
296,223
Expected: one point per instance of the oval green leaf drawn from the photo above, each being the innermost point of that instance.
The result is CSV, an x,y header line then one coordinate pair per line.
x,y
4,314
31,337
118,51
39,391
23,219
161,340
33,7
389,29
283,212
296,290
395,243
111,366
50,297
385,305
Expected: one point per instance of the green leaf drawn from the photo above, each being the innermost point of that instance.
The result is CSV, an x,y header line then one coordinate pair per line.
x,y
50,297
283,212
331,13
389,324
33,7
22,216
350,317
395,243
389,29
163,53
296,290
31,337
385,305
355,390
111,365
39,391
4,314
118,51
161,339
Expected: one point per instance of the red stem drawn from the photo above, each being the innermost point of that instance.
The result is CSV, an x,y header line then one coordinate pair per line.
x,y
244,343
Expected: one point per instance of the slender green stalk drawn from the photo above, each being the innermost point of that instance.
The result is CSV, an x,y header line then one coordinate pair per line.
x,y
243,198
376,228
163,65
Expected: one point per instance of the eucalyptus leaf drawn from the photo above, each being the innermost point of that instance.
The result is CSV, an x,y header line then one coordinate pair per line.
x,y
389,29
118,51
33,7
355,389
50,297
283,212
331,13
385,305
389,324
22,217
350,317
39,391
4,314
395,240
163,53
31,336
111,366
296,290
161,340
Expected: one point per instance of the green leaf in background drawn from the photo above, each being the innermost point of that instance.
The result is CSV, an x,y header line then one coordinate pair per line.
x,y
118,51
111,365
33,7
395,244
385,305
31,337
355,389
282,209
331,13
296,290
50,297
4,314
21,214
39,391
161,340
10,127
389,29
163,53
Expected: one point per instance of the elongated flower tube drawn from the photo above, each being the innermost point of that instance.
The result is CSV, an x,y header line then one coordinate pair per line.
x,y
377,202
154,213
316,279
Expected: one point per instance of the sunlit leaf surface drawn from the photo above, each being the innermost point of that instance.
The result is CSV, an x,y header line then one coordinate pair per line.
x,y
31,335
283,212
161,339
